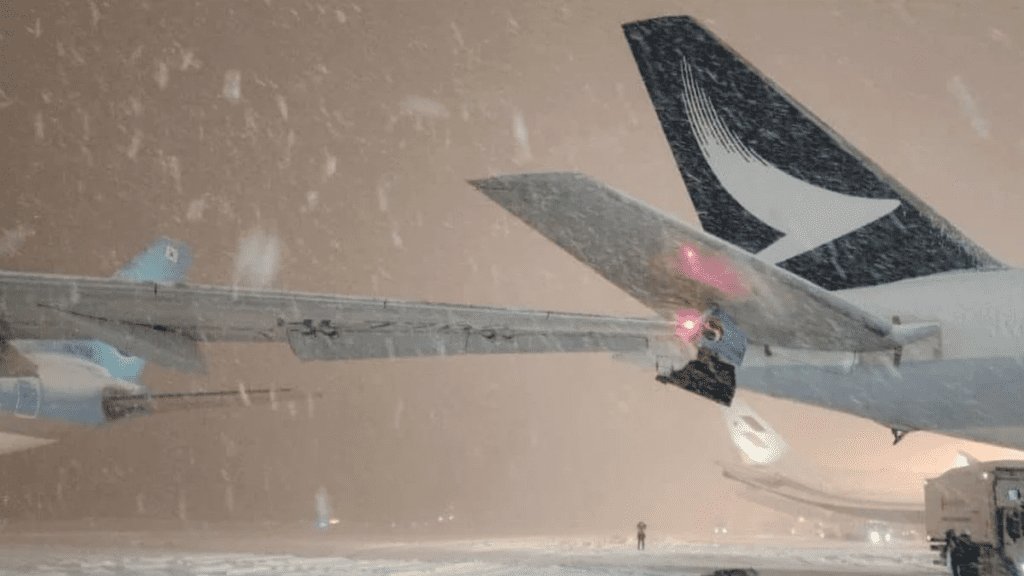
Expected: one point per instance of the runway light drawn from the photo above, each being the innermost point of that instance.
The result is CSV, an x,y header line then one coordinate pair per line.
x,y
875,537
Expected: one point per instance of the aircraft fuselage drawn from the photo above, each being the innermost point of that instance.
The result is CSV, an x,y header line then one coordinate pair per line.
x,y
966,383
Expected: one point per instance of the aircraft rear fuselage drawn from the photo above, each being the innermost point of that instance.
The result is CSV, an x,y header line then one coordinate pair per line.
x,y
966,383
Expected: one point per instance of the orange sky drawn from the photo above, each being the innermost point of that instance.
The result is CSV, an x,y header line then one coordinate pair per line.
x,y
350,138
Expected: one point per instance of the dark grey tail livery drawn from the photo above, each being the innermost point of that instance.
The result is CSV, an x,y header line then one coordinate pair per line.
x,y
768,176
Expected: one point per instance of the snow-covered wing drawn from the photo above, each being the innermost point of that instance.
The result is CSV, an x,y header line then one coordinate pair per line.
x,y
669,265
165,322
784,487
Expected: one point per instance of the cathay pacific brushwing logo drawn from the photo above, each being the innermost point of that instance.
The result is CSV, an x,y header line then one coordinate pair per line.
x,y
808,215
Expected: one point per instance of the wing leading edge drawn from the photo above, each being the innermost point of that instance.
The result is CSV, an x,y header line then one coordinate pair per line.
x,y
165,322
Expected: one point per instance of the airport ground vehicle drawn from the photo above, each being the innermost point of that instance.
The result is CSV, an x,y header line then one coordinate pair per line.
x,y
975,517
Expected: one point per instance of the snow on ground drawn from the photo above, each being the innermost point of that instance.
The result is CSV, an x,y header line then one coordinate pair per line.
x,y
494,557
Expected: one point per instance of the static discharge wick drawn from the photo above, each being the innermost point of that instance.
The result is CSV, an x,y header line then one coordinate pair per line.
x,y
706,271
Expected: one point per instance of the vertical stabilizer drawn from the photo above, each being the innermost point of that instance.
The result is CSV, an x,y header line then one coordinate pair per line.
x,y
768,176
165,261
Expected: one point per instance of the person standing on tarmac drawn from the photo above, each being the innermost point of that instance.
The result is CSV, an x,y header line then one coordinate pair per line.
x,y
640,536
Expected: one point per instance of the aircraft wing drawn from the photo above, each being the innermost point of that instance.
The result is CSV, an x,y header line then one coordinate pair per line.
x,y
164,323
792,490
669,265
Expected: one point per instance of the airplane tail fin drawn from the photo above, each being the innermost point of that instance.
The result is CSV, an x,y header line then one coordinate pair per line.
x,y
766,175
165,261
756,440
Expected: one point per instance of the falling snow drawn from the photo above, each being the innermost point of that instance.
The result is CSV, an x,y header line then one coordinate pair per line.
x,y
258,260
282,106
195,210
162,75
522,139
232,85
424,107
969,106
330,166
13,239
135,145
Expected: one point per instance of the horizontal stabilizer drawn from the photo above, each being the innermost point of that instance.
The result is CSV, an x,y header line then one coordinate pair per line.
x,y
795,491
669,265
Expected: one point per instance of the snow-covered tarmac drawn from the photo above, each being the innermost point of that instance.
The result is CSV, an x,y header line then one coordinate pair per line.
x,y
76,554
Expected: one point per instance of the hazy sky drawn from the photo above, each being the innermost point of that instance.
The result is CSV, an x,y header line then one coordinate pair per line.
x,y
347,131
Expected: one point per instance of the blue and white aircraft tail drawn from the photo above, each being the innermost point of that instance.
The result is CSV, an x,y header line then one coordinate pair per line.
x,y
165,261
89,381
